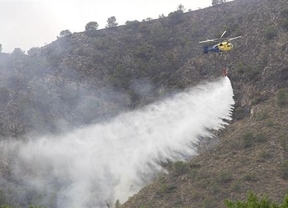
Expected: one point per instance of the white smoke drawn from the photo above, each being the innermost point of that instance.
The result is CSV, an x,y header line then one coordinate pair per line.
x,y
109,161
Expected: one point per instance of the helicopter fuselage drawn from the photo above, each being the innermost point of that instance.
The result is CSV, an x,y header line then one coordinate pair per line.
x,y
220,47
225,46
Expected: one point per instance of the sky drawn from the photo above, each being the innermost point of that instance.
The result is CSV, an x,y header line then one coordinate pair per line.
x,y
34,23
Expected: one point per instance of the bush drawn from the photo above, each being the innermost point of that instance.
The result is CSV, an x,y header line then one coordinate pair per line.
x,y
166,189
180,168
254,202
4,94
284,13
248,139
282,98
251,177
270,33
225,177
176,17
284,170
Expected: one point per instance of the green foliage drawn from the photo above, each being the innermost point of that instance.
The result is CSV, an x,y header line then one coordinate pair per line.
x,y
117,204
270,33
215,2
65,33
0,48
284,170
284,24
111,22
282,97
91,26
181,7
209,203
176,17
18,52
251,177
145,52
166,189
262,115
264,155
159,34
240,68
236,186
180,168
239,113
284,142
225,177
284,19
7,206
254,202
248,139
4,94
260,138
134,25
284,13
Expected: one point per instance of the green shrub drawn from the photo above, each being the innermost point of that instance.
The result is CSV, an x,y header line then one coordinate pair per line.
x,y
117,204
284,24
209,203
166,189
262,115
248,139
180,168
5,206
260,138
282,98
4,94
251,177
254,202
176,17
284,142
270,33
225,177
284,170
284,13
236,186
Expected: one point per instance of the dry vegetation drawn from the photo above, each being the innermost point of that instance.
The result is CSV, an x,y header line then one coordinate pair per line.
x,y
62,81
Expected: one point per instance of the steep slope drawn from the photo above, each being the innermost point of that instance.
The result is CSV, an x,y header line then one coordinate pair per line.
x,y
252,153
251,156
163,54
88,77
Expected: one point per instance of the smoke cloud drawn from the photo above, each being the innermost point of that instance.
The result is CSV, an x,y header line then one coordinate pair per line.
x,y
104,162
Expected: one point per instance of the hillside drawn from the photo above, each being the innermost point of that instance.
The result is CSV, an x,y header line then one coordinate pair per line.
x,y
92,76
252,152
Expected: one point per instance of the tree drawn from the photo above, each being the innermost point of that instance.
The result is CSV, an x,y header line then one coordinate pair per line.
x,y
91,26
0,47
181,7
64,33
215,2
176,17
18,51
254,202
111,22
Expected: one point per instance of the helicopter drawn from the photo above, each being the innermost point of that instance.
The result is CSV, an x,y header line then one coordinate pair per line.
x,y
223,44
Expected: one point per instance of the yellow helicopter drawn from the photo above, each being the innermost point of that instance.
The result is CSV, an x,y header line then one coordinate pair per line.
x,y
223,44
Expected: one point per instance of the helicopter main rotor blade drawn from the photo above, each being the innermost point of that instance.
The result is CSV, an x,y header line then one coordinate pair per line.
x,y
223,34
234,38
207,41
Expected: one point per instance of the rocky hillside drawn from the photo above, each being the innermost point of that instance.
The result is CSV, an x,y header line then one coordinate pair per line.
x,y
252,152
90,76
